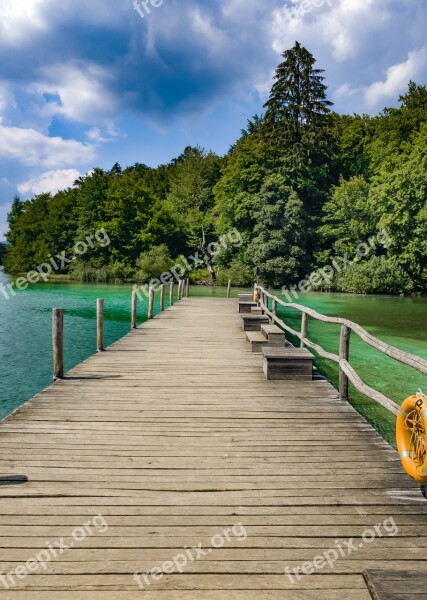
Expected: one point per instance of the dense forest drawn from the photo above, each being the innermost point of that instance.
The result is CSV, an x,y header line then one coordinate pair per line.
x,y
303,185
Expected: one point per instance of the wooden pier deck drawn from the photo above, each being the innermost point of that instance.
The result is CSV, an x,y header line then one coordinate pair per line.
x,y
174,436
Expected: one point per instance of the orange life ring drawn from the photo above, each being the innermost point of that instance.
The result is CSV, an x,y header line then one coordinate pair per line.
x,y
411,436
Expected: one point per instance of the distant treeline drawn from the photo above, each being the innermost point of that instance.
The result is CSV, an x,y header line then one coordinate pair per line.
x,y
302,185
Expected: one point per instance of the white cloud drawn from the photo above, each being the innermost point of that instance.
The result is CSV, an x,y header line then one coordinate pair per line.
x,y
33,148
344,25
203,27
6,99
397,78
82,95
94,134
51,181
19,19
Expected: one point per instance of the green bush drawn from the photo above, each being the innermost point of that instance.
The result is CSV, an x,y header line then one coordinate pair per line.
x,y
378,275
115,272
199,275
240,273
152,263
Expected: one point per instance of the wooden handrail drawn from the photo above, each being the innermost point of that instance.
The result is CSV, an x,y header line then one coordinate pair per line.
x,y
346,370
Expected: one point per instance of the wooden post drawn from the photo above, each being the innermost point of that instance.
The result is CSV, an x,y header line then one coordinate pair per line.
x,y
180,290
171,293
162,297
150,303
344,355
274,307
134,309
100,325
304,328
229,289
58,343
187,288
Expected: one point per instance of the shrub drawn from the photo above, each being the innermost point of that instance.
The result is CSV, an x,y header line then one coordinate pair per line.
x,y
199,275
152,263
115,272
240,273
379,275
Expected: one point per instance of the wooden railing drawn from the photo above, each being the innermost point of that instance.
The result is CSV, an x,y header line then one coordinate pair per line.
x,y
346,371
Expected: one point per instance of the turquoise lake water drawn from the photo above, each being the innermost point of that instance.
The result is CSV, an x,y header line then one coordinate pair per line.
x,y
26,353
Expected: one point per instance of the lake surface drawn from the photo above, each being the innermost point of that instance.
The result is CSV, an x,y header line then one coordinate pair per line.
x,y
26,354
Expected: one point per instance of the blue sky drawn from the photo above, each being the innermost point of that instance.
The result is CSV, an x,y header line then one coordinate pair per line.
x,y
86,83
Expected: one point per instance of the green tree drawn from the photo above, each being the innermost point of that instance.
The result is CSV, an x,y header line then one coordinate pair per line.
x,y
348,218
153,263
399,199
126,211
395,128
299,124
13,217
90,201
27,234
353,136
247,165
191,196
278,248
297,118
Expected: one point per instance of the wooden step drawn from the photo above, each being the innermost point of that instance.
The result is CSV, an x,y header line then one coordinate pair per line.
x,y
245,307
256,310
396,585
287,363
274,335
246,297
257,340
254,322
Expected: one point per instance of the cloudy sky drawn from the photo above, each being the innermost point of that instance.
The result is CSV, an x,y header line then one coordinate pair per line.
x,y
87,83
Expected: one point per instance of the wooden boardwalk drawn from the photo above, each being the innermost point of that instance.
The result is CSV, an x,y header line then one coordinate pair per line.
x,y
174,436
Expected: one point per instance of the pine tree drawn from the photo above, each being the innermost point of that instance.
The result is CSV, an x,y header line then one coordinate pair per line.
x,y
299,125
298,109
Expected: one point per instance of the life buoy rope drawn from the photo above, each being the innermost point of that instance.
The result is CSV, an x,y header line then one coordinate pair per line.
x,y
411,436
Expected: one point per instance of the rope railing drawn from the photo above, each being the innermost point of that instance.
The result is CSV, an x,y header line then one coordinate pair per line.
x,y
346,371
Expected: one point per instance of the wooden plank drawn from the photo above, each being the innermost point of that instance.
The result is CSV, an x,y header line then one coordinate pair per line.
x,y
348,594
394,585
174,436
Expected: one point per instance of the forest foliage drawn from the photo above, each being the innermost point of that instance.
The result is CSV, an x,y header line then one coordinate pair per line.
x,y
302,185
